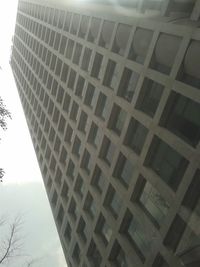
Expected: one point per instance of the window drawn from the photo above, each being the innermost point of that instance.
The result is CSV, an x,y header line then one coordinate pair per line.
x,y
163,59
90,96
83,26
87,162
67,21
135,233
106,33
57,145
42,119
75,24
76,254
135,136
175,233
140,45
94,29
72,78
117,256
104,230
188,72
47,41
54,198
65,192
79,186
60,94
48,153
50,107
86,59
63,45
63,156
79,86
97,66
66,103
57,41
51,15
71,169
117,119
52,134
98,180
69,49
49,183
74,112
159,261
121,39
94,255
95,135
55,18
103,107
77,147
68,233
64,73
128,84
123,170
151,201
52,38
61,19
111,75
166,162
113,202
83,122
73,211
191,197
53,62
52,165
61,125
68,134
82,230
60,215
107,151
46,127
149,97
181,117
90,206
54,85
77,53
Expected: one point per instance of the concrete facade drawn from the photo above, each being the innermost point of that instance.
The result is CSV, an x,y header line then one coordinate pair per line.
x,y
112,100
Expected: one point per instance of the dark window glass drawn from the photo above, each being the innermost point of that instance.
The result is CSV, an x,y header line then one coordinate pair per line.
x,y
159,262
135,136
166,162
175,233
151,201
149,97
117,256
128,84
181,116
123,170
94,255
103,230
117,119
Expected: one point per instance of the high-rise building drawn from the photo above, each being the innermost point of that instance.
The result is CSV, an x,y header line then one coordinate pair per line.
x,y
111,95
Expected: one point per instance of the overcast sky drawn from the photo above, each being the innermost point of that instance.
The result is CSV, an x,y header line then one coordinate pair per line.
x,y
22,191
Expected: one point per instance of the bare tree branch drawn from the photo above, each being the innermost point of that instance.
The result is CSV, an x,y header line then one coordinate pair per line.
x,y
31,262
12,244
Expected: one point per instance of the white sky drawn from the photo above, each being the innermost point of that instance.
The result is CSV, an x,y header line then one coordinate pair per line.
x,y
23,181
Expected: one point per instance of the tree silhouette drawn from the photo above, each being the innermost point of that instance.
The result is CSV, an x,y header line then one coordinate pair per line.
x,y
4,115
11,243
